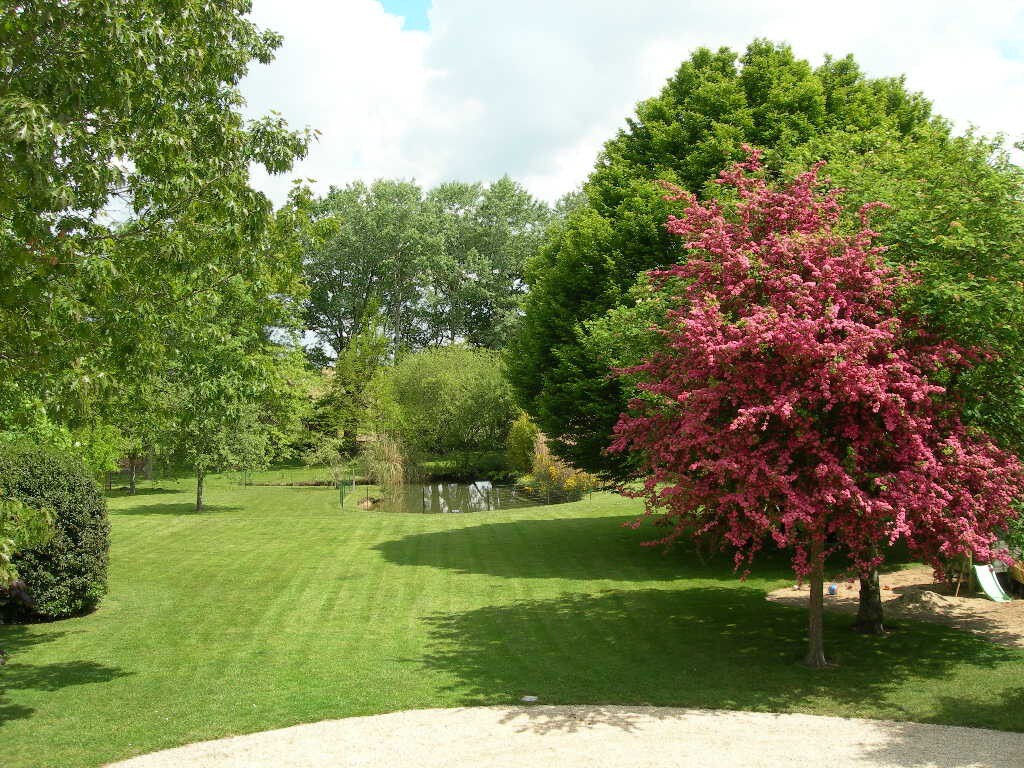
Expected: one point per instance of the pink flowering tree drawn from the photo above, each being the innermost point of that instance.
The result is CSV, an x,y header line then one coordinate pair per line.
x,y
790,406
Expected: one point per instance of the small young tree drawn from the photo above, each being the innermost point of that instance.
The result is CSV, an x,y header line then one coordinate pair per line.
x,y
236,404
21,527
100,446
141,410
339,411
519,444
328,452
790,405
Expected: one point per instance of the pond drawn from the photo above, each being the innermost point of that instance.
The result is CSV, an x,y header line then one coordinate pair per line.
x,y
457,498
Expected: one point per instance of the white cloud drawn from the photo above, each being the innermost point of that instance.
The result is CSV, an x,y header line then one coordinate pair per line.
x,y
533,88
350,71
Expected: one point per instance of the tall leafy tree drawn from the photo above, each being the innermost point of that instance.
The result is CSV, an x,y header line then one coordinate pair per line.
x,y
475,282
120,139
790,406
382,240
715,102
237,378
441,267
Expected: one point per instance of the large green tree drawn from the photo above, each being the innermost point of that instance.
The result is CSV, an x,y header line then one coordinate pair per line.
x,y
716,102
237,379
124,193
956,221
382,239
475,281
439,267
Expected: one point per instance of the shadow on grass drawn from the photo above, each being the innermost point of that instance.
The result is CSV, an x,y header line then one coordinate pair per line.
x,y
122,493
583,548
184,508
18,675
703,647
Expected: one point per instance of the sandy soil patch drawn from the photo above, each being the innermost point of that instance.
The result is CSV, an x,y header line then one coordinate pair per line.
x,y
913,593
599,737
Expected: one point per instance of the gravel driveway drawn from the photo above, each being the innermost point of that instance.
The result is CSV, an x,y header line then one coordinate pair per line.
x,y
599,737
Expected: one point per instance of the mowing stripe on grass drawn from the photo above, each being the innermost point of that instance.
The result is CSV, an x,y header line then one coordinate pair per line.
x,y
276,607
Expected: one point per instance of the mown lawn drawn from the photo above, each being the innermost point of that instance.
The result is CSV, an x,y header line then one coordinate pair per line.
x,y
274,607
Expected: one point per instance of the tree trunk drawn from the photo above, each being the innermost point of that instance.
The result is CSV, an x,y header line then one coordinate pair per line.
x,y
131,476
815,658
200,476
869,613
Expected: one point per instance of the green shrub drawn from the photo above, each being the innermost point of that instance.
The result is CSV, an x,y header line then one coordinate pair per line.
x,y
550,475
67,575
519,445
443,401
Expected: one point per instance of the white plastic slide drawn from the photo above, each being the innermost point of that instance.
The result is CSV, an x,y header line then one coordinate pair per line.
x,y
990,584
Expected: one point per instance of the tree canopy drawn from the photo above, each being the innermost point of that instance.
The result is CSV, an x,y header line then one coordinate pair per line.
x,y
956,220
124,194
441,267
715,102
790,405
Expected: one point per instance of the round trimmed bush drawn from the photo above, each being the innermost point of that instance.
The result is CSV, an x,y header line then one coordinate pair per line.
x,y
68,575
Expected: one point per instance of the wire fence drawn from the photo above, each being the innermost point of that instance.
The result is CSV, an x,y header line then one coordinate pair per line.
x,y
547,495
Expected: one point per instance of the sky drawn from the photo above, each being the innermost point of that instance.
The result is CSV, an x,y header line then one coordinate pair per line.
x,y
473,90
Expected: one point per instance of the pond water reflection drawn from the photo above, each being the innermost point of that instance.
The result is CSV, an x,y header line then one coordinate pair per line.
x,y
479,496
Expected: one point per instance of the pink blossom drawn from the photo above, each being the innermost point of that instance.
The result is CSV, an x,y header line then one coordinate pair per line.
x,y
790,400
